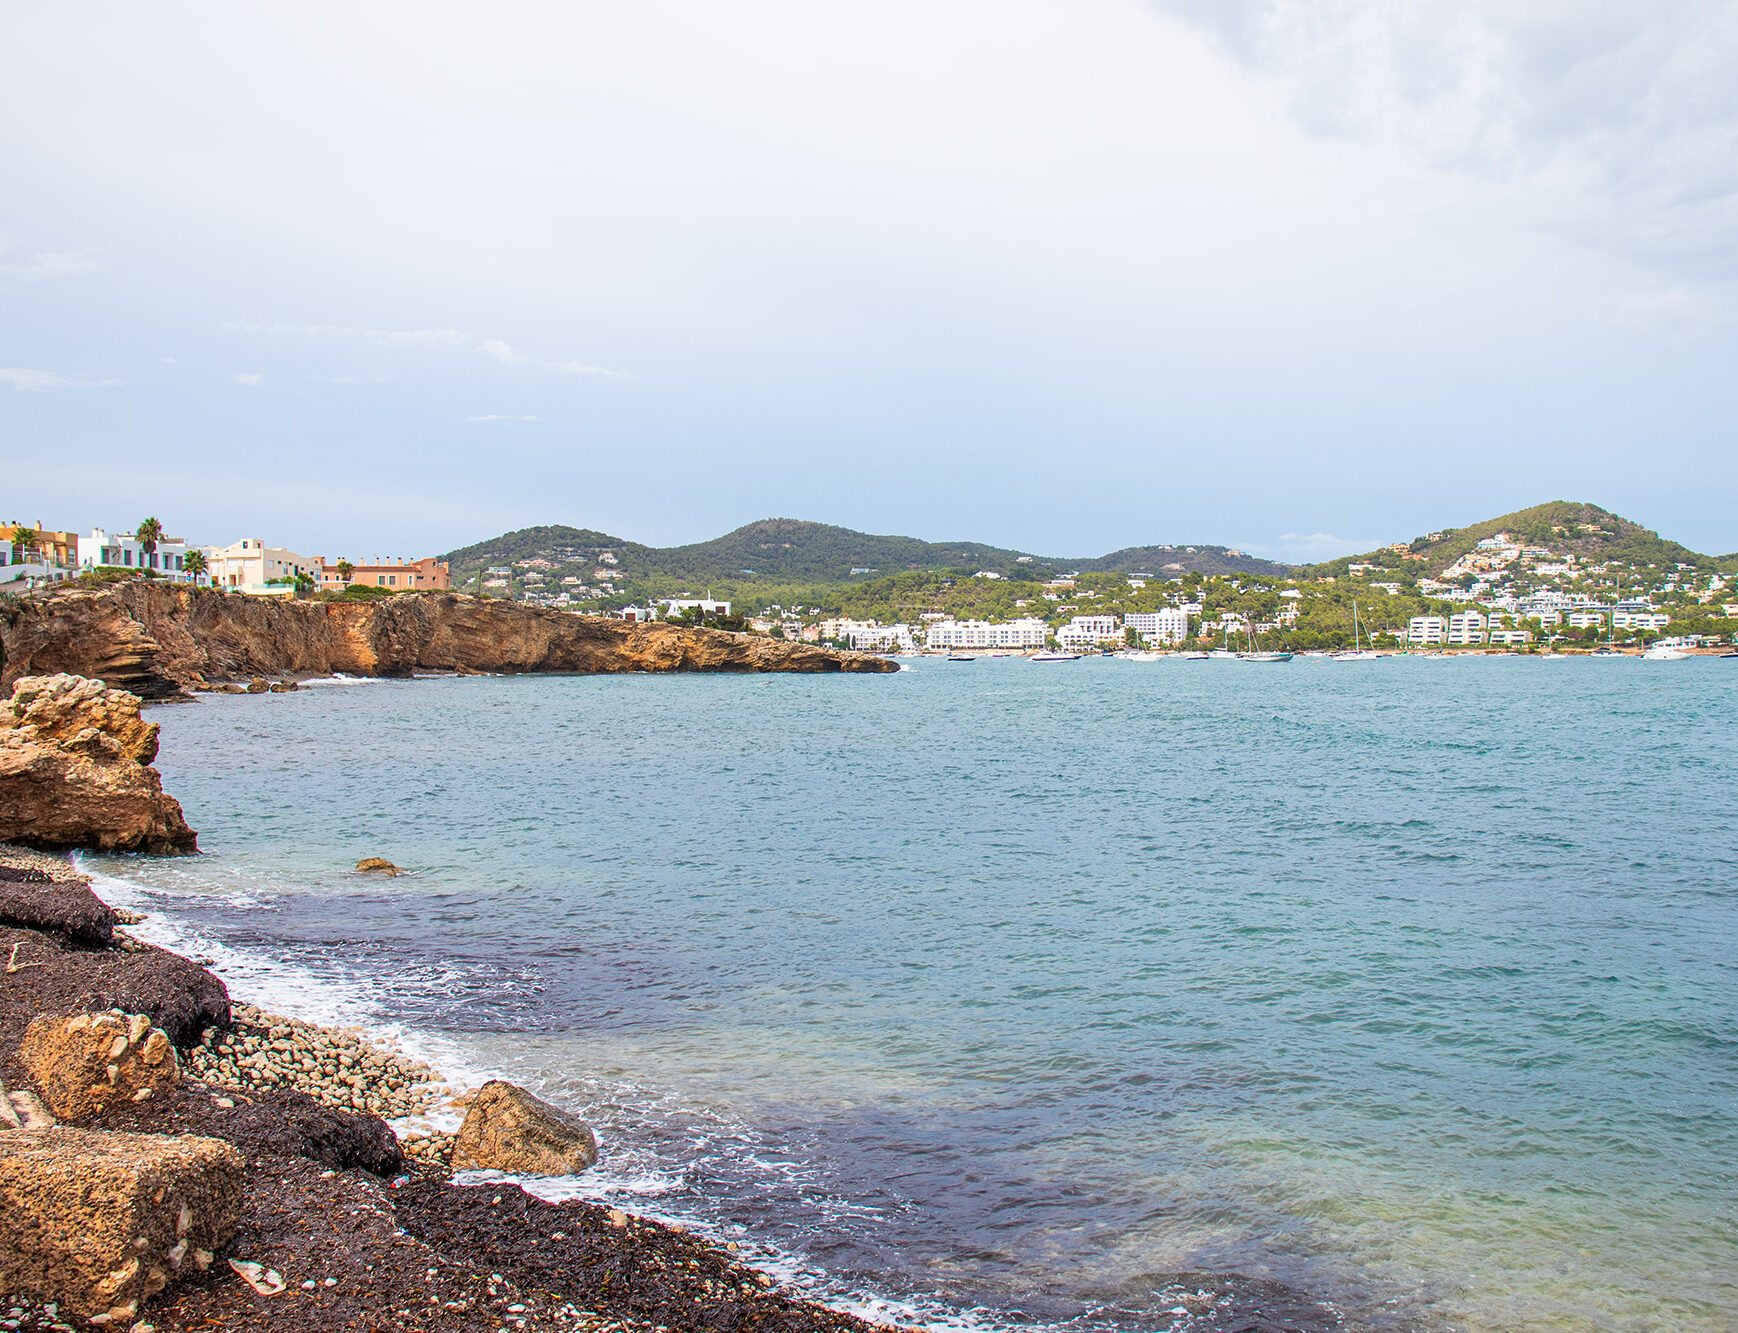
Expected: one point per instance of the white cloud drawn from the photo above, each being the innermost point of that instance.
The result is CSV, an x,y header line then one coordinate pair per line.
x,y
500,416
166,360
48,264
501,351
581,368
252,379
37,381
1623,112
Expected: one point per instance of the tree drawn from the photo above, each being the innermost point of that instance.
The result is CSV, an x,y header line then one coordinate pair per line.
x,y
345,569
304,582
148,533
194,563
21,538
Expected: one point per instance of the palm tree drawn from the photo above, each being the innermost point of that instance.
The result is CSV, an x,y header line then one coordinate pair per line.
x,y
194,563
148,534
345,569
21,538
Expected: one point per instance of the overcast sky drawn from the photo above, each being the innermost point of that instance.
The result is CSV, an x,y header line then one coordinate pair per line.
x,y
1295,275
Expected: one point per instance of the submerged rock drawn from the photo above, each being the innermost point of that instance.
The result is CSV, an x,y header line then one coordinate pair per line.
x,y
507,1129
74,771
100,1222
377,865
84,1064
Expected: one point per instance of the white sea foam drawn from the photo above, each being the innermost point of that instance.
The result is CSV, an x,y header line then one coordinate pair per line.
x,y
628,1177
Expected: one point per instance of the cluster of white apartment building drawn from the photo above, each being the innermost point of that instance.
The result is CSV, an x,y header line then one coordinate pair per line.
x,y
1463,629
1027,632
1169,624
1474,627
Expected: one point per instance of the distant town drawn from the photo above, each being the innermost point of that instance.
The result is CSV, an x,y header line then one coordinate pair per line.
x,y
1561,577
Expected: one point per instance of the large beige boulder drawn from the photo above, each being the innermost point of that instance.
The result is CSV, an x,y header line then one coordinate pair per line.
x,y
507,1129
86,1063
100,1222
74,771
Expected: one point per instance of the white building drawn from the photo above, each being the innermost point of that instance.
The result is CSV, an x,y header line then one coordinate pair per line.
x,y
1089,632
1427,629
882,638
1587,619
1169,624
1511,638
675,606
1466,627
1026,632
1639,617
251,566
122,550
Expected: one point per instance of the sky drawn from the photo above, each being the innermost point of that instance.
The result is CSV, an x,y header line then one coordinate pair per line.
x,y
1299,276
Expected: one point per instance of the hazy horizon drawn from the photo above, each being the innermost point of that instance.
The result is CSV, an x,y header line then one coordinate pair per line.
x,y
1054,278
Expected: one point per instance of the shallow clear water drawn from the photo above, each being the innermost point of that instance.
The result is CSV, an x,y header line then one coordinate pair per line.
x,y
1022,989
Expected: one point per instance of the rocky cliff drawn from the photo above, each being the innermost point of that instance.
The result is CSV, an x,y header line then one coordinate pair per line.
x,y
154,640
74,771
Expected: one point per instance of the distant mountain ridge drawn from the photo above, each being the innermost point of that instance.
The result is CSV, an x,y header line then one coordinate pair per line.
x,y
794,561
797,551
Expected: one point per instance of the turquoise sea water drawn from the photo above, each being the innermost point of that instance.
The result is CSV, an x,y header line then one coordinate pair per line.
x,y
1020,990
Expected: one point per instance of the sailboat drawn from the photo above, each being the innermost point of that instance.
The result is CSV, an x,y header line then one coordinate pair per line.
x,y
1359,653
1256,653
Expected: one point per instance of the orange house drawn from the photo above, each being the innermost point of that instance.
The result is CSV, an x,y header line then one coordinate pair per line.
x,y
394,574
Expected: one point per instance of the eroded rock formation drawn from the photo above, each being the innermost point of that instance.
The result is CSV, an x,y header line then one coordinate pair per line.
x,y
156,640
75,771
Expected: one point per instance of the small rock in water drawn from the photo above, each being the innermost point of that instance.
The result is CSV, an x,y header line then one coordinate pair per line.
x,y
377,865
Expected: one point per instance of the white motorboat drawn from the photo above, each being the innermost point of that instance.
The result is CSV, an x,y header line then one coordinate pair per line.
x,y
1664,653
1048,656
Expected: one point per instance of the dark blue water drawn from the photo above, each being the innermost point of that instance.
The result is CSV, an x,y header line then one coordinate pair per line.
x,y
1025,989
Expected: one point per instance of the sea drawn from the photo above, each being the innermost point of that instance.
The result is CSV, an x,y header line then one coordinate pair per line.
x,y
1098,995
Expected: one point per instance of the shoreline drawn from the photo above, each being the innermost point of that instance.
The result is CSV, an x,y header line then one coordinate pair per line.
x,y
483,1255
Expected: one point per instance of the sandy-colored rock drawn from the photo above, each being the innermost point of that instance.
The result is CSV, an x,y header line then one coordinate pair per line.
x,y
507,1129
156,639
86,1063
74,771
377,865
77,712
101,1222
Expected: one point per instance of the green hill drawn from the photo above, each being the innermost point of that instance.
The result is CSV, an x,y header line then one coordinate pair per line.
x,y
789,548
791,561
1564,526
1161,561
554,542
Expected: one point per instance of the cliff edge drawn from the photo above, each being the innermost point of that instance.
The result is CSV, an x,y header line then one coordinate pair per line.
x,y
155,640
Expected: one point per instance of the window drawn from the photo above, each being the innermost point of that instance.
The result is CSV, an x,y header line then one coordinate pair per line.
x,y
126,556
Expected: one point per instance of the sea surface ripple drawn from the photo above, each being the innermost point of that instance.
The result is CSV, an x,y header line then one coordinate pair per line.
x,y
1013,994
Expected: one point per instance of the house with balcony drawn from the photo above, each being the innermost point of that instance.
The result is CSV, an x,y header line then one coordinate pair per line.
x,y
103,549
250,566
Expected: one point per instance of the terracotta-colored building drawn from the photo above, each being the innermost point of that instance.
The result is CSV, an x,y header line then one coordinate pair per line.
x,y
397,575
